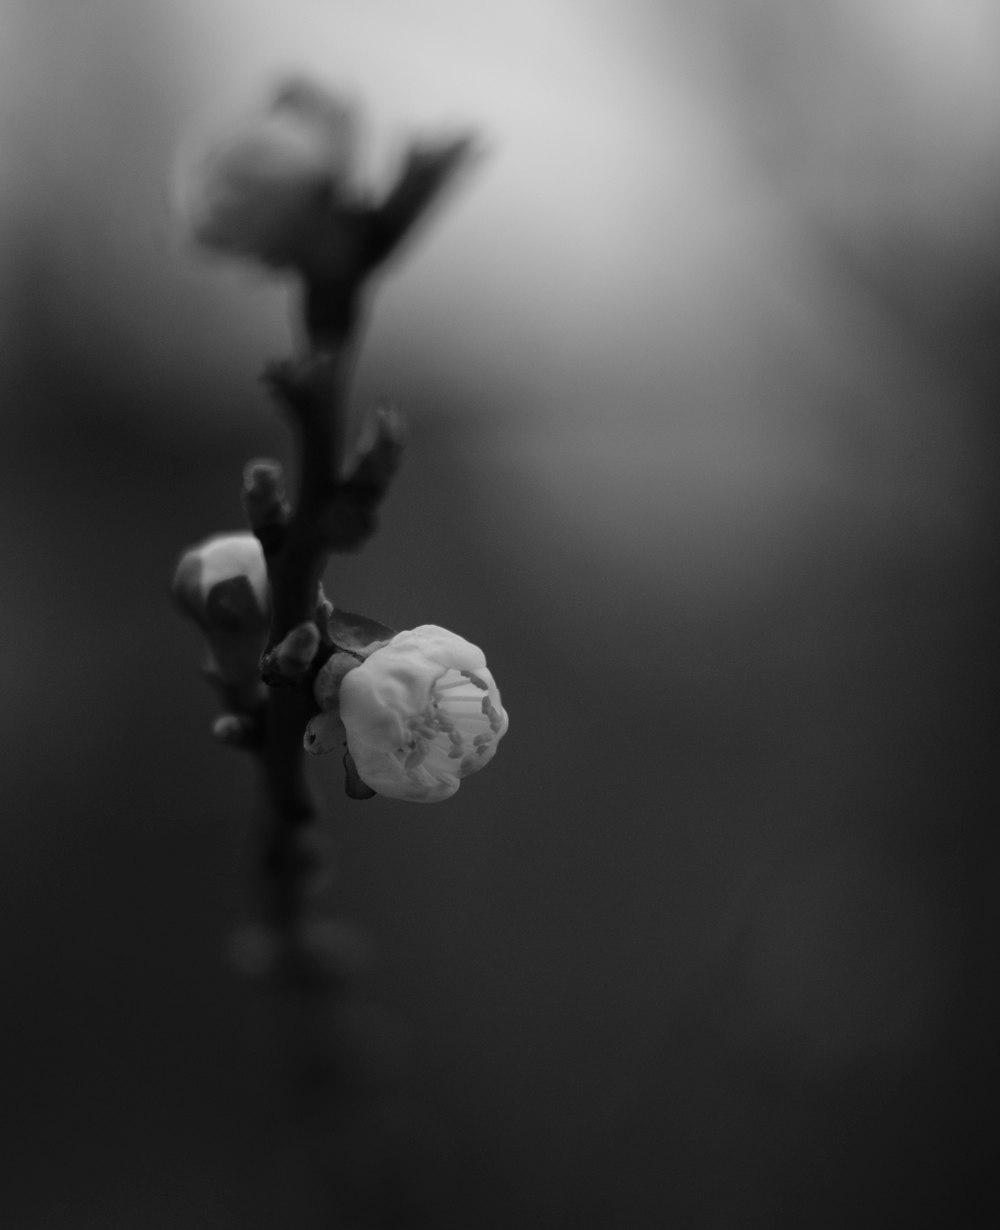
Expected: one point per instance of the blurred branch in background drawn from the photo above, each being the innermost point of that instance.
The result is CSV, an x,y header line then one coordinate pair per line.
x,y
719,949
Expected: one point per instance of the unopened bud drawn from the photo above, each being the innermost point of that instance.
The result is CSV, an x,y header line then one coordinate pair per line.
x,y
222,585
219,561
289,661
264,500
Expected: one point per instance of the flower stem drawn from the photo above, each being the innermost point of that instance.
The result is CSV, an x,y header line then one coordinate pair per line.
x,y
312,391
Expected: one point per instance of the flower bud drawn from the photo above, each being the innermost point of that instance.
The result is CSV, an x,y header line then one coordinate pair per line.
x,y
222,558
222,585
420,713
264,501
289,661
267,191
279,191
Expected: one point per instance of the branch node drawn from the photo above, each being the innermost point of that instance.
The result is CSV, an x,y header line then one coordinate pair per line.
x,y
304,385
348,520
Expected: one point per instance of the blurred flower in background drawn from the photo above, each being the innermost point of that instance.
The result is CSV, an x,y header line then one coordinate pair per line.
x,y
267,191
279,192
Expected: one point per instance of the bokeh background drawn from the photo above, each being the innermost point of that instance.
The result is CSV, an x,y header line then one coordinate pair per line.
x,y
703,375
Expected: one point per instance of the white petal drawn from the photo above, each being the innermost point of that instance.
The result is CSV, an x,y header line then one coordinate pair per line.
x,y
225,556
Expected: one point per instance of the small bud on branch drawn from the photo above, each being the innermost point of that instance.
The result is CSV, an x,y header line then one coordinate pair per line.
x,y
264,502
289,661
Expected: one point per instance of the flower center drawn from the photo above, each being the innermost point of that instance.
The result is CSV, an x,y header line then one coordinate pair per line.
x,y
459,724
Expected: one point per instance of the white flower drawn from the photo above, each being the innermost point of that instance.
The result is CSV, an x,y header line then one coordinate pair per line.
x,y
421,713
268,190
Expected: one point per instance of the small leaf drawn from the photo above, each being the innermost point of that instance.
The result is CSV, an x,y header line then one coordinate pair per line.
x,y
425,174
357,633
326,687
